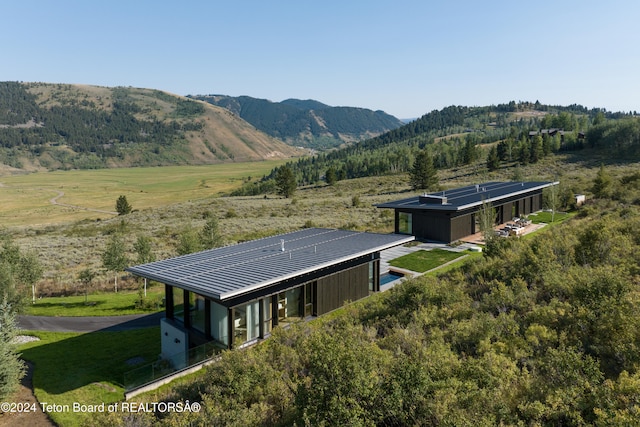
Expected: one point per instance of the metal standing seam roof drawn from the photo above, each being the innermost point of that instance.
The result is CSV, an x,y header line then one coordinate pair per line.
x,y
229,271
469,196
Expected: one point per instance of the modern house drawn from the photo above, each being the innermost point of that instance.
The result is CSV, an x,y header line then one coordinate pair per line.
x,y
236,295
450,215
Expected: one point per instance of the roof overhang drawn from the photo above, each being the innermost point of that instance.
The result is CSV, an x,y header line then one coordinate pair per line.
x,y
232,271
481,197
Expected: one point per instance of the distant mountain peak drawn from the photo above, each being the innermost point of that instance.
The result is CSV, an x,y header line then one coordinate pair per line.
x,y
307,104
307,123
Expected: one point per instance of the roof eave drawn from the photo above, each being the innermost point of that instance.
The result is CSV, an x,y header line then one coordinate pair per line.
x,y
266,283
515,193
282,278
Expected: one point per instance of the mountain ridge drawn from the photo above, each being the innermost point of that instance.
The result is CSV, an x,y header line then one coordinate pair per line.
x,y
307,123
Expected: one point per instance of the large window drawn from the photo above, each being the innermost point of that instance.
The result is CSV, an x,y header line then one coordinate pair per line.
x,y
405,223
246,320
219,323
267,310
196,311
372,276
178,304
289,305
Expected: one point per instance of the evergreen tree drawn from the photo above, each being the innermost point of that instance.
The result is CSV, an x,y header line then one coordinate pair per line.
x,y
331,176
122,206
11,281
493,161
469,153
525,152
11,367
285,181
423,174
536,149
504,149
602,183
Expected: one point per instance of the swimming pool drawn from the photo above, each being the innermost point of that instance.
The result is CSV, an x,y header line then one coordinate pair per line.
x,y
391,276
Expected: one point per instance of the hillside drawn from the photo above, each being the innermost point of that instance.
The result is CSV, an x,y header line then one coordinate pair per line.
x,y
61,126
307,123
457,136
531,334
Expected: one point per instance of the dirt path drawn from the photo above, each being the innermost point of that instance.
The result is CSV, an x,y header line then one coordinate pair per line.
x,y
89,324
25,396
54,201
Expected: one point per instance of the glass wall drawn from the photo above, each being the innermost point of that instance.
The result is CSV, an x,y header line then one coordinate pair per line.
x,y
246,326
196,311
289,305
219,323
178,304
405,223
372,276
267,310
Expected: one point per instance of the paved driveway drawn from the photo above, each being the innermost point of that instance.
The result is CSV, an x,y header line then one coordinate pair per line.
x,y
89,324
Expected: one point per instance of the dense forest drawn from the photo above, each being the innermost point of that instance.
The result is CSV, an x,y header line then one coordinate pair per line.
x,y
539,331
512,133
307,123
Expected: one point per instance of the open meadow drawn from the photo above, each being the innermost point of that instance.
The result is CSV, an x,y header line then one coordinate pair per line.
x,y
46,198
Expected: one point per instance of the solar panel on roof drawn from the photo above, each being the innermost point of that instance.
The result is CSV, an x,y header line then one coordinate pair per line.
x,y
469,196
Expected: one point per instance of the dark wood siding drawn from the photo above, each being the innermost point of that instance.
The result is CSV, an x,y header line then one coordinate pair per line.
x,y
449,226
431,225
461,226
349,285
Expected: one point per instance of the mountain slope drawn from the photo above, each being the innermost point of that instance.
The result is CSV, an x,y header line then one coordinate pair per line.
x,y
307,123
57,126
459,136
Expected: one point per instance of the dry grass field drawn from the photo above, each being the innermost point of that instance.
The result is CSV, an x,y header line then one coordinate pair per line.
x,y
67,248
170,201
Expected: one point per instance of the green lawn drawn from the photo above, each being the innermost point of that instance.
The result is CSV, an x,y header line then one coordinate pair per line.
x,y
86,368
107,304
421,261
545,217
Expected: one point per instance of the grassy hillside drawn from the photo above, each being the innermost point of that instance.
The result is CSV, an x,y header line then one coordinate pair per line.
x,y
57,126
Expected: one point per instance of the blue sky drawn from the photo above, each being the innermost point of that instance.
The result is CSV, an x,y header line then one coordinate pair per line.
x,y
404,57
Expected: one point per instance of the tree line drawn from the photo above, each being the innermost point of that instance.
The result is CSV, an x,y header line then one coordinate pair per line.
x,y
456,136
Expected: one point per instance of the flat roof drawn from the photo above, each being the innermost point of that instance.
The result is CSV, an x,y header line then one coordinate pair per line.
x,y
226,272
457,199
